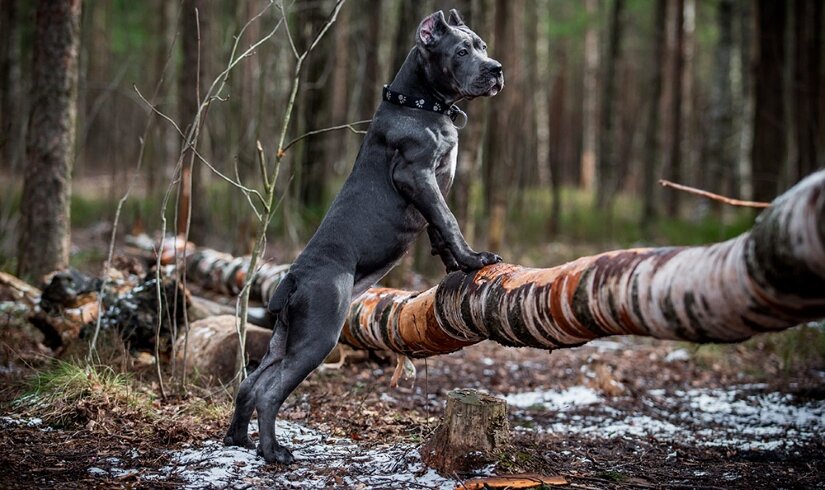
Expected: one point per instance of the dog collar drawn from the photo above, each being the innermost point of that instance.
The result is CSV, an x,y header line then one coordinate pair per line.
x,y
452,111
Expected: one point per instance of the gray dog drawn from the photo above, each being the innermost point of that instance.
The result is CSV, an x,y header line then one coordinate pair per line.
x,y
396,189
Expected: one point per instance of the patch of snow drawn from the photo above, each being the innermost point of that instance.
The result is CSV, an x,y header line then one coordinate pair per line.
x,y
321,461
553,399
678,355
743,417
606,345
28,422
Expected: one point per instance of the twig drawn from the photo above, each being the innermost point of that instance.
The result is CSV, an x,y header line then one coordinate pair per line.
x,y
288,34
331,128
715,197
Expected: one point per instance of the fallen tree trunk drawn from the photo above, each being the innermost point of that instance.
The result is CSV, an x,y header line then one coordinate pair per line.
x,y
770,278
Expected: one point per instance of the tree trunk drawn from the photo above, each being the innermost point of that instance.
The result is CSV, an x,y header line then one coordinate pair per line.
x,y
770,278
674,173
165,140
528,159
10,121
501,152
745,97
312,109
606,176
473,433
806,83
652,151
191,214
370,78
769,145
556,112
590,121
340,92
45,205
721,155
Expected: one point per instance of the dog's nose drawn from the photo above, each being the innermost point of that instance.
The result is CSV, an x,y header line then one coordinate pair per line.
x,y
495,69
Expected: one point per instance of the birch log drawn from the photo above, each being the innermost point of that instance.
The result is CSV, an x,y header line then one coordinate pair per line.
x,y
768,279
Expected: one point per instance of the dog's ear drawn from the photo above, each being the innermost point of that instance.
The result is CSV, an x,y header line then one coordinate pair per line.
x,y
431,29
455,18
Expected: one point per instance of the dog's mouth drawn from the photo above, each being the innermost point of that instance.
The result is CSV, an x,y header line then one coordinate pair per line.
x,y
497,84
486,86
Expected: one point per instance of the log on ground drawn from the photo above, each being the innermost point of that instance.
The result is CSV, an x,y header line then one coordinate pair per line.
x,y
768,279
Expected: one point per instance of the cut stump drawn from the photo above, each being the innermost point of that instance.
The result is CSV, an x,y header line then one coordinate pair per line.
x,y
473,433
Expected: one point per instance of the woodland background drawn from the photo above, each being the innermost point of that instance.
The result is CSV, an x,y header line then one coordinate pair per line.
x,y
602,99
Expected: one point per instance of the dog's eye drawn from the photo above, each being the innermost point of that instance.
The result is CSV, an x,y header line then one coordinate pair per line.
x,y
484,47
463,52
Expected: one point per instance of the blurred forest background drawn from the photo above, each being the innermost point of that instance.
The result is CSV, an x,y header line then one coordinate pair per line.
x,y
602,99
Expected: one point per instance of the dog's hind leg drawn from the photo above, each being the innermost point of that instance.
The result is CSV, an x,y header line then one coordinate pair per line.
x,y
315,320
238,432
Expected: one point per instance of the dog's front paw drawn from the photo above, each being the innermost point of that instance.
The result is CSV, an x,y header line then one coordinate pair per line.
x,y
276,454
476,261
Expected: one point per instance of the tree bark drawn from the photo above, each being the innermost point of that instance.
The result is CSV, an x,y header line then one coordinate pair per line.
x,y
606,175
769,142
590,121
768,279
806,84
556,116
370,78
652,152
190,215
674,173
501,154
10,122
45,205
473,433
722,158
313,107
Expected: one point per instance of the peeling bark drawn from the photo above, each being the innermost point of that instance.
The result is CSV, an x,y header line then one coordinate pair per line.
x,y
770,278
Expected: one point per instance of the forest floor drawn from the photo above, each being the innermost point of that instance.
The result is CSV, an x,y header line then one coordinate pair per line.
x,y
616,413
623,413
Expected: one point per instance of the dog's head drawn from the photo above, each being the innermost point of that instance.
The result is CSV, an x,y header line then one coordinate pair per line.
x,y
456,60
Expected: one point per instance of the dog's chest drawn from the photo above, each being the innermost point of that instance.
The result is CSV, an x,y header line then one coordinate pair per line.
x,y
445,170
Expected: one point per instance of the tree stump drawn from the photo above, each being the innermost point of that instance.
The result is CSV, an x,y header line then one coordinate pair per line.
x,y
473,432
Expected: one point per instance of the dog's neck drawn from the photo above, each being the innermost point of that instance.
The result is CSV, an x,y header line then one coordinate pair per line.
x,y
412,81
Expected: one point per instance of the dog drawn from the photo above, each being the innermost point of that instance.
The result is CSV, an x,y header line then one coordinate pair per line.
x,y
404,169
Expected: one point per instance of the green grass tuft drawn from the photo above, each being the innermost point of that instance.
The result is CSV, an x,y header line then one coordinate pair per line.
x,y
68,393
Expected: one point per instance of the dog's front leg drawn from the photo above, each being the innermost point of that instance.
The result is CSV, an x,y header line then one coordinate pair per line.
x,y
439,247
418,184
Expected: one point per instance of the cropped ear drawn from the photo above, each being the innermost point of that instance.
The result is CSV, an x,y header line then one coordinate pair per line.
x,y
455,18
432,28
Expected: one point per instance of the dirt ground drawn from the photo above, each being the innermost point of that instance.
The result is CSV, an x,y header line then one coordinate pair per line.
x,y
623,413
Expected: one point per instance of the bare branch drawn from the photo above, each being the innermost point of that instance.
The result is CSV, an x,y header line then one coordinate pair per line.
x,y
715,197
288,34
326,130
331,20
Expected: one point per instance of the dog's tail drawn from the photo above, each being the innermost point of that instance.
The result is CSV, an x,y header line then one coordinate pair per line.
x,y
278,303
